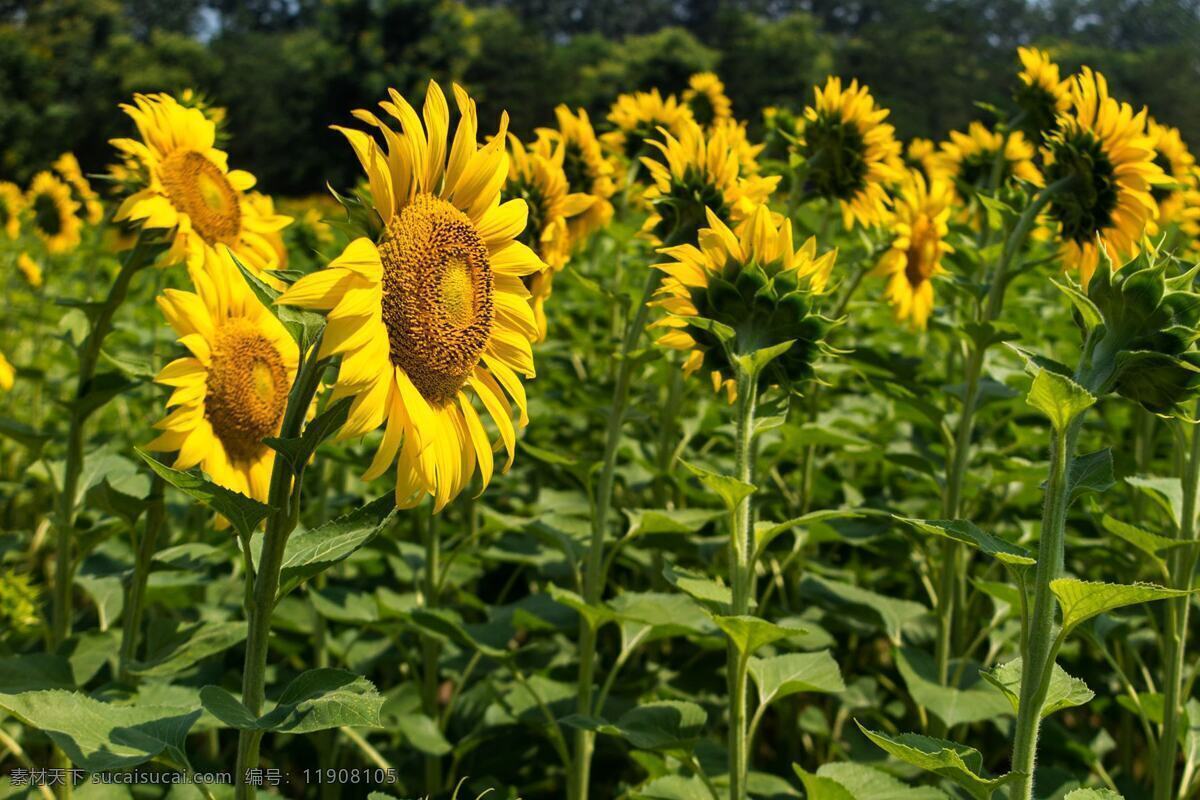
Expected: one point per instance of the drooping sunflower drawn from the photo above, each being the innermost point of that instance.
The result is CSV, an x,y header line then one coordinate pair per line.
x,y
706,97
190,189
7,374
1041,95
970,158
639,118
536,176
850,154
53,213
12,203
920,224
67,167
1177,200
695,175
586,168
434,315
752,281
1102,147
30,270
231,390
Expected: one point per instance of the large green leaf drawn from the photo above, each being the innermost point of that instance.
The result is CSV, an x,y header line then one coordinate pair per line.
x,y
317,549
971,699
731,490
1060,398
665,614
190,645
1064,690
1091,473
849,781
1082,600
241,511
27,673
967,532
793,673
956,762
893,614
1149,543
668,520
314,701
749,633
661,725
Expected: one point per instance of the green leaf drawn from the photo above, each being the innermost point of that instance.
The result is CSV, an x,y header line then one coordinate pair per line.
x,y
422,734
698,585
304,326
189,646
665,614
795,673
755,362
100,737
765,532
444,625
1060,398
1166,492
1149,543
100,390
1082,600
34,671
228,709
971,699
241,511
861,782
1093,794
956,762
1064,690
1091,473
819,787
966,532
644,521
1088,311
673,787
317,549
315,700
661,725
731,490
23,434
299,450
749,633
893,614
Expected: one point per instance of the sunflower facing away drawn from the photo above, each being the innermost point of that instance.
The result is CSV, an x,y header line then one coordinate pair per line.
x,y
696,175
1177,201
67,167
190,189
970,158
920,224
586,168
434,315
30,270
752,281
231,390
1041,95
850,154
1102,146
54,214
638,119
706,97
536,176
12,203
739,141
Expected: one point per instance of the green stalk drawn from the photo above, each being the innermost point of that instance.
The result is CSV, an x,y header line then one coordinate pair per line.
x,y
593,587
136,604
741,579
431,650
1182,563
284,500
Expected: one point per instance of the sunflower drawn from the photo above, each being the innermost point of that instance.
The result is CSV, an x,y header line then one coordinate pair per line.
x,y
54,213
1041,94
1177,200
1102,147
850,154
921,155
536,177
434,315
751,281
7,374
920,224
30,269
263,205
706,97
232,390
970,158
639,118
586,168
190,189
735,134
12,203
67,167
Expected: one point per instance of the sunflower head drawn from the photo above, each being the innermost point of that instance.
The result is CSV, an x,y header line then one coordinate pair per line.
x,y
53,214
971,159
921,155
919,226
30,270
1105,162
67,167
1041,95
848,153
706,97
733,294
639,119
695,175
1177,200
587,169
12,203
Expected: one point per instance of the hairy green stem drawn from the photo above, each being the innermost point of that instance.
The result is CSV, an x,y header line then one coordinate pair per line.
x,y
136,604
741,579
431,650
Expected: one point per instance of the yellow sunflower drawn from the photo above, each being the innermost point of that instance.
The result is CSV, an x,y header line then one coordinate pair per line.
x,y
231,391
706,97
67,167
190,189
263,205
1041,94
30,269
435,314
920,224
697,174
638,118
747,153
1177,201
1102,147
536,176
586,167
970,158
54,213
849,153
12,203
921,155
7,374
752,281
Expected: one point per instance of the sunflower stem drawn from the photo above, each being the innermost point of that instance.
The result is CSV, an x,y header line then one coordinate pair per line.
x,y
136,604
430,648
741,579
593,588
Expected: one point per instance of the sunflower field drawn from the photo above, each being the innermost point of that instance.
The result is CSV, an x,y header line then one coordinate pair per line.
x,y
654,453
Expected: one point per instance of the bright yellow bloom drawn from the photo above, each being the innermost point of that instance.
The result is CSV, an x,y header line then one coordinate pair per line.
x,y
30,269
434,316
54,213
12,203
587,170
850,154
264,206
67,167
1178,201
1102,146
920,224
639,117
970,158
190,189
231,391
921,155
1042,95
735,134
7,374
706,97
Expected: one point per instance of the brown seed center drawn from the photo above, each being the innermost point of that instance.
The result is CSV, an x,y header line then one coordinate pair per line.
x,y
198,188
247,389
